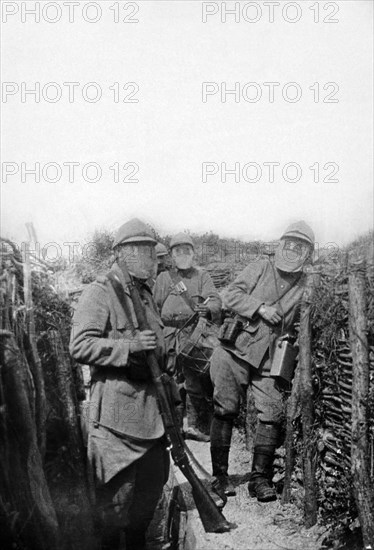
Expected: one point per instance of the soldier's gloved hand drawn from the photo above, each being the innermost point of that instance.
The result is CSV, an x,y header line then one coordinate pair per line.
x,y
270,314
143,341
202,310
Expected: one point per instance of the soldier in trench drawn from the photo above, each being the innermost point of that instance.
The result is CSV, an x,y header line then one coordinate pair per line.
x,y
264,298
177,293
126,445
164,263
163,258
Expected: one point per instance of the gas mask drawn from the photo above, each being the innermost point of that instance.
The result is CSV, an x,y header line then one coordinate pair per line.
x,y
291,254
182,255
140,259
163,263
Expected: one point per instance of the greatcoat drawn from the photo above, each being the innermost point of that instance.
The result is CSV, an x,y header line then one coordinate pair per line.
x,y
124,420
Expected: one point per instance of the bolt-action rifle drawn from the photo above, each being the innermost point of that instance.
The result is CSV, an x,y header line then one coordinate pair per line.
x,y
212,518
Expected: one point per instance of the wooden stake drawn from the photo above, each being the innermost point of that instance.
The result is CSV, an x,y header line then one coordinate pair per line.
x,y
307,406
292,407
33,356
362,487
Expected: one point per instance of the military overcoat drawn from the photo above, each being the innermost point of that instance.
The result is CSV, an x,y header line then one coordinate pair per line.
x,y
123,405
262,283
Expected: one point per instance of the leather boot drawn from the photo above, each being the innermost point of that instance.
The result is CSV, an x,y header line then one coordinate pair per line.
x,y
260,484
195,406
220,463
205,418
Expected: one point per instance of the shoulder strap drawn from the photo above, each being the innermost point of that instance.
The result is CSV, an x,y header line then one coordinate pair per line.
x,y
280,296
179,285
122,298
201,273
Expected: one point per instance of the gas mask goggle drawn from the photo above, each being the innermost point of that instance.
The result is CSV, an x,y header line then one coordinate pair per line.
x,y
291,254
140,259
182,255
296,247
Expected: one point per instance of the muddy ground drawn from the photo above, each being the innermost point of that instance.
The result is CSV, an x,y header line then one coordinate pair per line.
x,y
260,526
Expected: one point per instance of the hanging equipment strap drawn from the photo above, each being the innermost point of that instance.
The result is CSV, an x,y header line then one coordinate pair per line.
x,y
180,287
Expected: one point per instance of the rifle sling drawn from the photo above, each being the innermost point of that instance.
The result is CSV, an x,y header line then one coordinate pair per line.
x,y
122,298
280,296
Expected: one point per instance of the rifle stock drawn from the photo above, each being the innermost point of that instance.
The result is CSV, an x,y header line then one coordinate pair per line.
x,y
211,517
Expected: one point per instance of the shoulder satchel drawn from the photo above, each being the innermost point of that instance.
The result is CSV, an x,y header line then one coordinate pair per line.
x,y
195,350
199,346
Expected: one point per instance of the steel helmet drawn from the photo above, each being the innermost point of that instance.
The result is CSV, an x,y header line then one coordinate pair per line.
x,y
161,250
134,231
181,238
301,230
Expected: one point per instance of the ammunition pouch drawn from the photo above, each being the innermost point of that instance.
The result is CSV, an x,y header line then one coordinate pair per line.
x,y
230,330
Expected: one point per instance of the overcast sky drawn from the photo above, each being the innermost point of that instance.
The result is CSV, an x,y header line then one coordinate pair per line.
x,y
170,132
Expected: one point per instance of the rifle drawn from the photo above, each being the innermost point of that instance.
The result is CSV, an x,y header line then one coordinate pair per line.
x,y
212,518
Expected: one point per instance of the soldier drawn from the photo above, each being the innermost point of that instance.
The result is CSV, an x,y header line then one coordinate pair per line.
x,y
126,448
163,258
163,263
177,294
265,296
